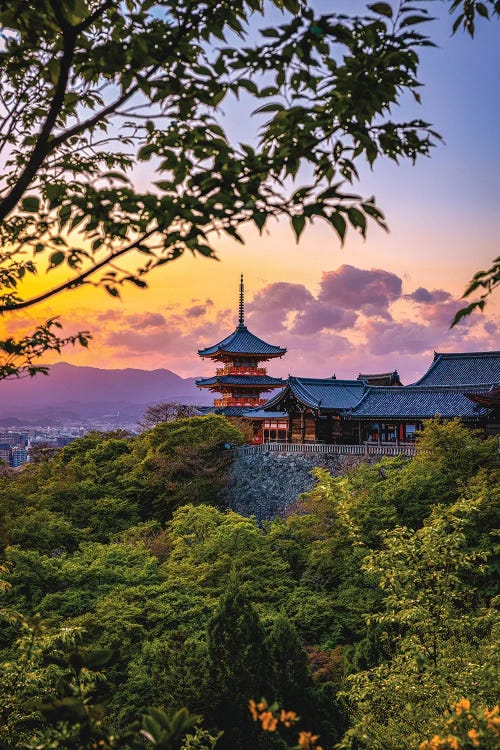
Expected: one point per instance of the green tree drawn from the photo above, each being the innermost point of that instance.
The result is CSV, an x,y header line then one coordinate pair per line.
x,y
443,639
292,673
89,87
239,667
183,461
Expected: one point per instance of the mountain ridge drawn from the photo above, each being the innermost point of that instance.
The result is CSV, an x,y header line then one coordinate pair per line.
x,y
89,391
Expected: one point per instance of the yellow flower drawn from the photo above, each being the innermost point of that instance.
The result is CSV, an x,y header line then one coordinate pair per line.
x,y
307,740
474,736
288,717
268,721
462,705
253,709
493,719
453,742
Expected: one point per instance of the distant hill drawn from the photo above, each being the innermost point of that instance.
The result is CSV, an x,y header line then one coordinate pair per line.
x,y
90,392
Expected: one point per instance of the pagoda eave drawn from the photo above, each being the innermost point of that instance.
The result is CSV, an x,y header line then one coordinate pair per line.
x,y
221,353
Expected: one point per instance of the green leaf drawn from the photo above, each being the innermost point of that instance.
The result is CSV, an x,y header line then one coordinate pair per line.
x,y
273,107
383,9
339,224
56,259
298,223
31,204
205,250
259,218
357,219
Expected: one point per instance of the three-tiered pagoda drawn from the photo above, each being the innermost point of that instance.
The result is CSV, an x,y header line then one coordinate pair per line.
x,y
240,381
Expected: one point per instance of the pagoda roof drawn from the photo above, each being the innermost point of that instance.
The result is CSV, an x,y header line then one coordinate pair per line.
x,y
320,393
264,381
416,402
242,341
462,369
381,378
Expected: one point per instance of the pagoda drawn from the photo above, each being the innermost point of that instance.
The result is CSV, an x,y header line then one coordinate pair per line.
x,y
240,381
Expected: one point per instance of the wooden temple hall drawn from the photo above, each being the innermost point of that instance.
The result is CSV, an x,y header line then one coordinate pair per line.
x,y
373,408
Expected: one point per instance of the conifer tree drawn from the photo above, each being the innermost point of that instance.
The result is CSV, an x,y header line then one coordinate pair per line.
x,y
239,667
292,675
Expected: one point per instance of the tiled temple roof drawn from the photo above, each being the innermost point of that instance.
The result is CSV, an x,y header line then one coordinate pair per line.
x,y
320,393
381,378
251,380
260,413
242,341
416,402
463,369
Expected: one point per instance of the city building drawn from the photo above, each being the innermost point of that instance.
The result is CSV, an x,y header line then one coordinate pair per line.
x,y
18,457
5,452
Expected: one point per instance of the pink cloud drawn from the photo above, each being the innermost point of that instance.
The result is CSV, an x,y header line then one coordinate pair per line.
x,y
424,296
368,291
146,320
404,337
195,311
318,317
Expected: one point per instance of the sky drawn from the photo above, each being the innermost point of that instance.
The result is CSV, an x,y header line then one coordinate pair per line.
x,y
373,305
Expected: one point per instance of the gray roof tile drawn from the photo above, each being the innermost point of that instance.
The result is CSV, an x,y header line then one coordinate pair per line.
x,y
416,402
263,380
323,393
463,369
242,341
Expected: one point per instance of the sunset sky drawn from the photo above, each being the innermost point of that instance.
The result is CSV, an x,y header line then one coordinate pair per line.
x,y
373,305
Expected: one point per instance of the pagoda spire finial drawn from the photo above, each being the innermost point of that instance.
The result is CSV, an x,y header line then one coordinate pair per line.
x,y
241,317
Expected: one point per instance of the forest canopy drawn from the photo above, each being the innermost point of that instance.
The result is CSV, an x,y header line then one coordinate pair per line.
x,y
369,612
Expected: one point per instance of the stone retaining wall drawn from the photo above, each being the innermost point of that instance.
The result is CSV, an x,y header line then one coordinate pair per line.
x,y
264,485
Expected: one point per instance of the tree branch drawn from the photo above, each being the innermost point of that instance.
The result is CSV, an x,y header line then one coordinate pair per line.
x,y
42,144
77,280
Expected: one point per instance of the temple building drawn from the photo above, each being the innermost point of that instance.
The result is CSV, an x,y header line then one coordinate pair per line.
x,y
315,407
382,378
240,380
373,409
378,409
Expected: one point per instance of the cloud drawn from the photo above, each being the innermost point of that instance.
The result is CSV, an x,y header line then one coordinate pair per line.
x,y
195,311
367,291
109,314
490,327
318,317
271,306
404,337
425,297
281,296
146,320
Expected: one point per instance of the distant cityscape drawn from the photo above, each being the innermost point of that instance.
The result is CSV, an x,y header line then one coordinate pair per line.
x,y
18,444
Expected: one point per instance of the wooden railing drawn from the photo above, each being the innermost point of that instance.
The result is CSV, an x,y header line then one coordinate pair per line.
x,y
325,448
239,370
239,402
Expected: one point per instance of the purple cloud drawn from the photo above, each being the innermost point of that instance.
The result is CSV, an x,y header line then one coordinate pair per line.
x,y
145,320
195,311
404,337
317,317
369,291
425,297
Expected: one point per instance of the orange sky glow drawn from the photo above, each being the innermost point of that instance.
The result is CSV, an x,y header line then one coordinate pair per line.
x,y
374,305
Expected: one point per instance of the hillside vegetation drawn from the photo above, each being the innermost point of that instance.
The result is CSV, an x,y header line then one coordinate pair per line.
x,y
369,612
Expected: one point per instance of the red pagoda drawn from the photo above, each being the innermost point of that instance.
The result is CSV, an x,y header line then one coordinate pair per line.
x,y
240,381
